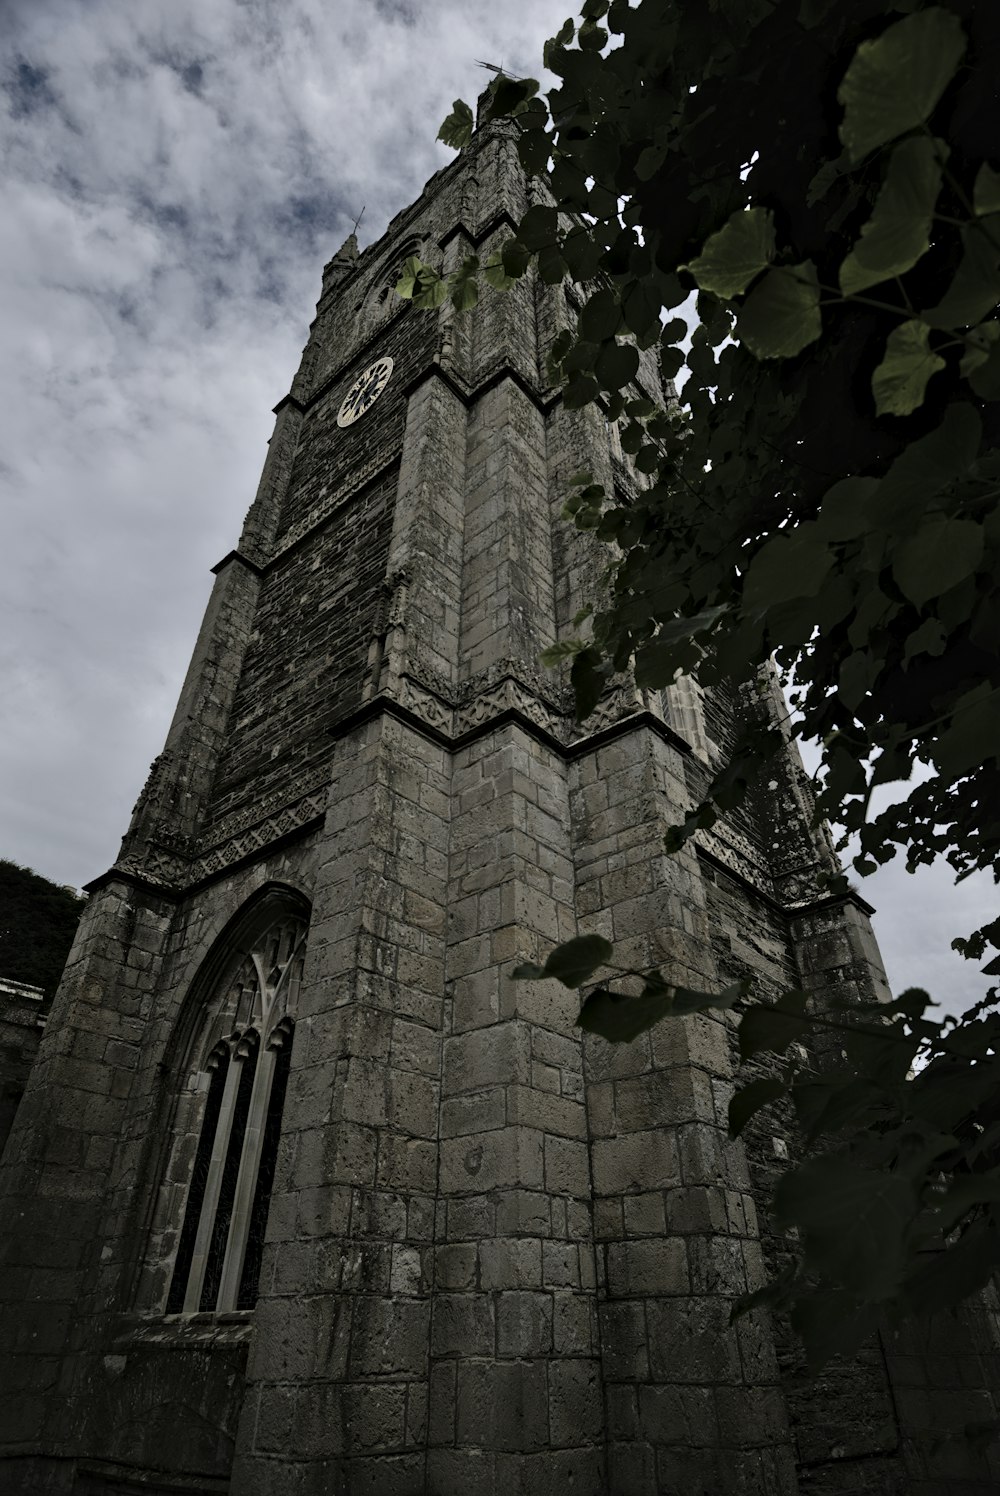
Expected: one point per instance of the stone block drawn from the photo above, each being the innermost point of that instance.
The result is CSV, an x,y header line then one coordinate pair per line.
x,y
632,1471
553,1472
502,1405
644,1268
462,1324
475,1111
511,1157
560,1264
576,1410
406,1163
485,1057
476,999
510,1262
415,1048
691,1340
523,1213
524,1324
624,1344
389,1336
557,1115
567,1167
635,1163
441,1403
460,1472
679,1415
574,1323
645,1215
406,1276
455,1265
470,1217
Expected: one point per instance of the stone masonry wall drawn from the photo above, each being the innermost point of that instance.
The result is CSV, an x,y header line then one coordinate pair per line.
x,y
500,1256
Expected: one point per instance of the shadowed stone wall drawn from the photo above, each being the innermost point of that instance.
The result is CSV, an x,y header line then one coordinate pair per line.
x,y
498,1258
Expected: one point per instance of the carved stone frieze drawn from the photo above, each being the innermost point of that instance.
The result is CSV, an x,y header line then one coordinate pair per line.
x,y
259,836
296,788
736,851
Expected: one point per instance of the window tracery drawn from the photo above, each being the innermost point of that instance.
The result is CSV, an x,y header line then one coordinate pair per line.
x,y
238,1084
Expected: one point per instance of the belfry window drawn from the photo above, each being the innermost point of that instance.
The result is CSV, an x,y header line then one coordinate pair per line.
x,y
238,1088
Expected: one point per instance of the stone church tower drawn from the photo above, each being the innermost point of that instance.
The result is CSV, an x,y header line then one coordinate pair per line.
x,y
307,1195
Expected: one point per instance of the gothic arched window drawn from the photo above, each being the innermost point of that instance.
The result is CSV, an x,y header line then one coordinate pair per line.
x,y
236,1095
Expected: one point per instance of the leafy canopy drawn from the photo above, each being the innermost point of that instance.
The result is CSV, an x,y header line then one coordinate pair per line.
x,y
38,920
824,176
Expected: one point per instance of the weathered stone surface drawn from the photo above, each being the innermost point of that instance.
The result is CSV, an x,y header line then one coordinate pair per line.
x,y
500,1256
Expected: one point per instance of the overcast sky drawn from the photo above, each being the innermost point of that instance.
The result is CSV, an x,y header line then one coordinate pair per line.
x,y
174,176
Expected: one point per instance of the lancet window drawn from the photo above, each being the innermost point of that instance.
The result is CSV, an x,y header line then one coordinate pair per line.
x,y
235,1101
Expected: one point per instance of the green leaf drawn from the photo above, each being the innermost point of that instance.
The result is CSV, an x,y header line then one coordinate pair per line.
x,y
462,285
431,294
832,1323
788,566
984,379
457,129
773,1026
620,1018
641,309
731,258
508,94
821,1196
515,258
551,265
601,317
847,508
748,1100
940,554
563,649
495,274
986,191
580,390
582,254
979,344
781,315
958,1272
408,281
898,232
649,162
827,1103
617,363
895,80
534,148
464,294
588,677
571,963
538,227
973,736
677,645
900,381
562,38
975,289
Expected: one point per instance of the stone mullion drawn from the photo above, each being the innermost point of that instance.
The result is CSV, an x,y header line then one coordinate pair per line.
x,y
246,1182
213,1185
672,1205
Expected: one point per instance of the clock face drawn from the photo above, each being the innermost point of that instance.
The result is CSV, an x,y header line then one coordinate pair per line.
x,y
364,391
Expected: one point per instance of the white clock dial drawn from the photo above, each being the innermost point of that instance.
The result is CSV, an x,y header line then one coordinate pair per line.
x,y
364,391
